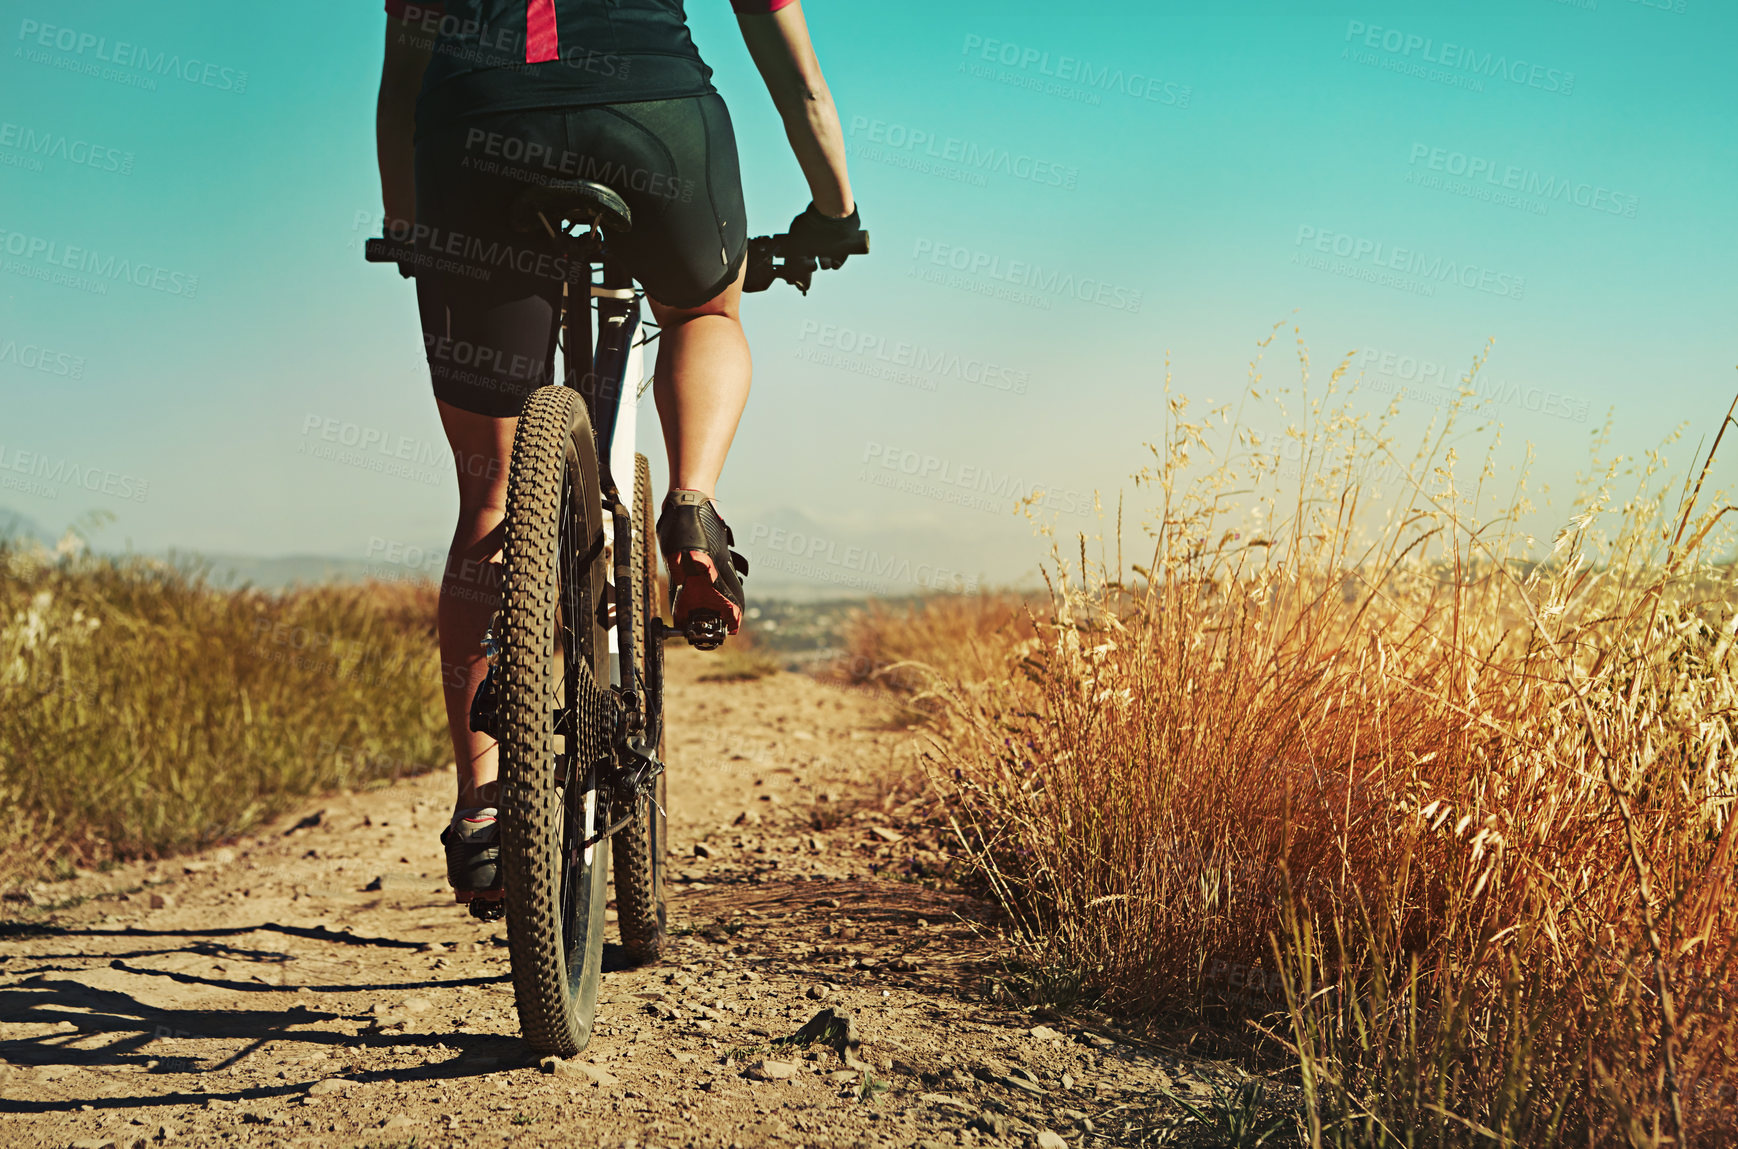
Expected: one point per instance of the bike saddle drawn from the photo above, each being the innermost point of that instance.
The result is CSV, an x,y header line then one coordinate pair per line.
x,y
577,201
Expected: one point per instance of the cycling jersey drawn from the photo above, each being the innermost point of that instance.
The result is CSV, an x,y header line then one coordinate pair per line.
x,y
505,55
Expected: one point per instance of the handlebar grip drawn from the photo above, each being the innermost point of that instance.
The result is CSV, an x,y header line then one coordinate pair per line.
x,y
858,245
383,250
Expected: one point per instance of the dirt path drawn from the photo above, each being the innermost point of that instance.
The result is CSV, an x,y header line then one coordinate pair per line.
x,y
315,985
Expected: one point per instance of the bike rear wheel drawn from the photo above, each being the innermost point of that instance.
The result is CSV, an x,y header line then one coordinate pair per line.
x,y
638,847
554,723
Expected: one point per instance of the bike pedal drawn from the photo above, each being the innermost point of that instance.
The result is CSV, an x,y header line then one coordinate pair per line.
x,y
488,909
705,631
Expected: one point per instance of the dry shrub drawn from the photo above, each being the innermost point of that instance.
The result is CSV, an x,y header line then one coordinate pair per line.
x,y
147,712
1448,820
960,636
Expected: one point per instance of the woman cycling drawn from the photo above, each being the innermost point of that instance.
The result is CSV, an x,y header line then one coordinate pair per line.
x,y
480,99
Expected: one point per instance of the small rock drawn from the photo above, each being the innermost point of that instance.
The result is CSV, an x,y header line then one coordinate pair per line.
x,y
579,1070
95,1143
398,1124
224,856
992,1123
1049,1140
1068,1081
1022,1071
816,993
842,1076
702,850
418,1004
161,901
166,1131
1045,1033
772,1070
330,1085
746,818
663,1012
307,823
1021,1084
376,885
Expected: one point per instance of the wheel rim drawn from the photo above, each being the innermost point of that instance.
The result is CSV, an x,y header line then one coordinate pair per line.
x,y
579,789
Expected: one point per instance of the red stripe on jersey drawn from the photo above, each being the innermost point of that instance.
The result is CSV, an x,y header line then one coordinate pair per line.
x,y
542,43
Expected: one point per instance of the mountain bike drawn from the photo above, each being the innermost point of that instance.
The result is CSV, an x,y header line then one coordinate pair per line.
x,y
574,690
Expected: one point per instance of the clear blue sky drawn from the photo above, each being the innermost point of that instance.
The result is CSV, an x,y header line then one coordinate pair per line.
x,y
1228,165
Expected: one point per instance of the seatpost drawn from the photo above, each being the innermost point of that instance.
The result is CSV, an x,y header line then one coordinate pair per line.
x,y
618,315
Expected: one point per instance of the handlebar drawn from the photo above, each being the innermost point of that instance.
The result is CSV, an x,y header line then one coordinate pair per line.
x,y
381,249
770,257
799,265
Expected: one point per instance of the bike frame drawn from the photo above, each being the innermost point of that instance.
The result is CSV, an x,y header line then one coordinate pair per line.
x,y
600,372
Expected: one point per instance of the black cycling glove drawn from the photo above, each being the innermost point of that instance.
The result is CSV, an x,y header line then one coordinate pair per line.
x,y
825,237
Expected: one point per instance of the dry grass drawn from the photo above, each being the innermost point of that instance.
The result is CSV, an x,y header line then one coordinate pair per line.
x,y
961,637
741,659
1440,820
146,712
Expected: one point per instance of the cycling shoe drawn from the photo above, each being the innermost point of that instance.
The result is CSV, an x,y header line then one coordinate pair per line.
x,y
706,599
473,845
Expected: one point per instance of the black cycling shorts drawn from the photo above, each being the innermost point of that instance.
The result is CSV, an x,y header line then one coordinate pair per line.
x,y
491,302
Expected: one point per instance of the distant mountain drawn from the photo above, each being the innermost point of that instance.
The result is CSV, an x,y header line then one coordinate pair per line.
x,y
279,572
792,556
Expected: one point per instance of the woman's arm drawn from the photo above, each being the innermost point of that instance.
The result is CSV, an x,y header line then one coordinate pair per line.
x,y
407,53
779,43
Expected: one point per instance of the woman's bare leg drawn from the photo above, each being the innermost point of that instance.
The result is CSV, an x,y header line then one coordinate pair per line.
x,y
701,385
470,589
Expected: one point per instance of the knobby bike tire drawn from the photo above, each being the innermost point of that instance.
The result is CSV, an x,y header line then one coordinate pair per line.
x,y
638,847
554,652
